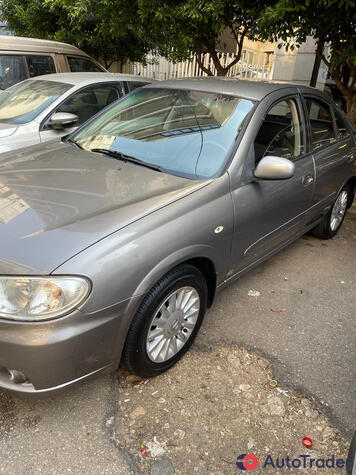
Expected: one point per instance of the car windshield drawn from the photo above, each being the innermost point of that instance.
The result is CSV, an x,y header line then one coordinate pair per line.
x,y
187,133
23,102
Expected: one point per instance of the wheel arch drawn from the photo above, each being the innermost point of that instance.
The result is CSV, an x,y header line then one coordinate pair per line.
x,y
201,257
207,268
352,184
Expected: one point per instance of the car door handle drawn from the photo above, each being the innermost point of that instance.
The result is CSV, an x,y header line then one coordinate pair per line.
x,y
350,157
308,180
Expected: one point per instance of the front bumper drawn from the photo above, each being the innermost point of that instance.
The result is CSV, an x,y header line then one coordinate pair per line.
x,y
58,353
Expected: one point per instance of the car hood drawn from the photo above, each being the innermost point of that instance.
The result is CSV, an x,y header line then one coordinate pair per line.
x,y
7,129
56,200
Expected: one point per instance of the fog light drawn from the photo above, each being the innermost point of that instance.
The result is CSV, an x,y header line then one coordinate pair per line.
x,y
16,377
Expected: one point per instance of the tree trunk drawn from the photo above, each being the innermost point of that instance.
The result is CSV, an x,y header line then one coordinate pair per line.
x,y
347,91
220,70
201,65
318,53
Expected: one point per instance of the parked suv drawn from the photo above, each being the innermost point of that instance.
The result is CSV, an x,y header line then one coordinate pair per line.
x,y
23,58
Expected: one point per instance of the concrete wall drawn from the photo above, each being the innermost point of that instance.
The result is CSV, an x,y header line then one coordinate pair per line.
x,y
297,66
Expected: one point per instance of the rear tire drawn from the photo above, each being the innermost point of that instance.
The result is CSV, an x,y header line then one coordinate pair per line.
x,y
333,219
166,323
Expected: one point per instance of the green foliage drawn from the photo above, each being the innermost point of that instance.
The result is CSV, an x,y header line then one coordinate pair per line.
x,y
332,23
105,29
120,30
182,27
190,25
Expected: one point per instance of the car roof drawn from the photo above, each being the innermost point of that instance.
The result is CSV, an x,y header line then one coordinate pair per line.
x,y
249,89
18,43
84,78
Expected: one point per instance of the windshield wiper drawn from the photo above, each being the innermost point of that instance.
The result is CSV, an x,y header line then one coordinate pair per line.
x,y
127,158
75,143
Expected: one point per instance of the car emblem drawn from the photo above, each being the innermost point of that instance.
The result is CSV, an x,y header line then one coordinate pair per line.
x,y
218,229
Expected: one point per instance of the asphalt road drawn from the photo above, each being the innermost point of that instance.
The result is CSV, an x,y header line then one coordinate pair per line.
x,y
303,321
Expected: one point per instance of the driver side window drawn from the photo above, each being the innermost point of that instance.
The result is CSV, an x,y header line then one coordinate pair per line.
x,y
90,100
281,134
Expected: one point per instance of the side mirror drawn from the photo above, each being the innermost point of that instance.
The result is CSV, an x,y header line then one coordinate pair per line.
x,y
60,120
274,168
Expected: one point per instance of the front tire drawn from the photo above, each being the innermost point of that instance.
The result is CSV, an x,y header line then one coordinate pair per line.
x,y
166,323
333,219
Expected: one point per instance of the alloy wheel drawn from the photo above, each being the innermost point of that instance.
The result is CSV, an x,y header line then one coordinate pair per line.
x,y
172,324
338,211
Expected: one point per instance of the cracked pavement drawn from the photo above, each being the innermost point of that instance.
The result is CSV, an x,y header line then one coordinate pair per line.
x,y
61,435
302,321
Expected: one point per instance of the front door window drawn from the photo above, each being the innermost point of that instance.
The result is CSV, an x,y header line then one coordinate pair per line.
x,y
89,101
281,133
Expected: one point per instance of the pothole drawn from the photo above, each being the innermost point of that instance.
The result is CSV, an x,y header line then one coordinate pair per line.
x,y
211,408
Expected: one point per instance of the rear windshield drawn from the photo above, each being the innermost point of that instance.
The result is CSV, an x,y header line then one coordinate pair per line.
x,y
25,101
188,133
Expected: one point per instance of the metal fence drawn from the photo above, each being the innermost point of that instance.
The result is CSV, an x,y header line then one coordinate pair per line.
x,y
253,64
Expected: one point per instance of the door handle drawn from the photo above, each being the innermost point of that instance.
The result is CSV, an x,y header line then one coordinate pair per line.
x,y
350,157
308,180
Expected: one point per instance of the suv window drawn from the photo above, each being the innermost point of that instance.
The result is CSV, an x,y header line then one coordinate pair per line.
x,y
39,65
80,65
321,123
342,130
90,100
12,70
281,133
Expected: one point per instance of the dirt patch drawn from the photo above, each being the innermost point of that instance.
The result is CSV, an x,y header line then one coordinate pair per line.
x,y
212,407
7,415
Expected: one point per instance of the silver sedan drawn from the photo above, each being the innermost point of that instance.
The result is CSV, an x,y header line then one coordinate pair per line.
x,y
115,240
51,106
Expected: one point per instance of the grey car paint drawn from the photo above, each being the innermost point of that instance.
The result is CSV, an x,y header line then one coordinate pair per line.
x,y
14,137
125,226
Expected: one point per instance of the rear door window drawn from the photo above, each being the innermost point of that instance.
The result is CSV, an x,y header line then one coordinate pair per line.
x,y
39,65
12,70
321,123
80,65
341,127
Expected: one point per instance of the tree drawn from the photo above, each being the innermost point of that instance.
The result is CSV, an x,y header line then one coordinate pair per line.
x,y
333,25
180,28
105,29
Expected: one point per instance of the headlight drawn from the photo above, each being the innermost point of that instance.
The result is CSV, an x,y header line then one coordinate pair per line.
x,y
40,298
